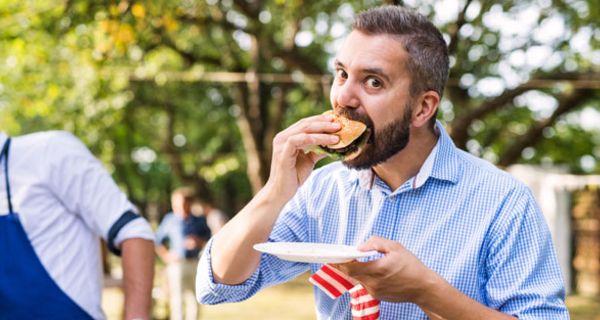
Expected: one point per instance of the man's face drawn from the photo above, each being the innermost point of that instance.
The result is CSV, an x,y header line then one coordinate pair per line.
x,y
372,86
179,205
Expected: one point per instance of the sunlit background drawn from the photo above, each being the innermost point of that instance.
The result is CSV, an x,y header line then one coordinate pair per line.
x,y
180,92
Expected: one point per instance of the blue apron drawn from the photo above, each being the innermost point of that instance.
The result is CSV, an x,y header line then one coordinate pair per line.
x,y
26,289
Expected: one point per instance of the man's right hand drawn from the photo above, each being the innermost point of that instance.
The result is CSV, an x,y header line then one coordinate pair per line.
x,y
291,164
233,258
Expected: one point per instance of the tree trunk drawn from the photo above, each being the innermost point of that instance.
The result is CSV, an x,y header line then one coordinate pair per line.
x,y
193,180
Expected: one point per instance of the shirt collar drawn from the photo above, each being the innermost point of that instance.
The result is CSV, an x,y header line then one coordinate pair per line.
x,y
441,163
446,165
426,169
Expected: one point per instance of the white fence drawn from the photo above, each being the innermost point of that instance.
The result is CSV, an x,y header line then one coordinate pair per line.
x,y
552,188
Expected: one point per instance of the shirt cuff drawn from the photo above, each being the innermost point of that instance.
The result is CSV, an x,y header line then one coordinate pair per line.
x,y
210,292
137,228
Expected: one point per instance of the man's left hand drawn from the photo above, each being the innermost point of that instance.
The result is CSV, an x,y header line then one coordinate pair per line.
x,y
398,276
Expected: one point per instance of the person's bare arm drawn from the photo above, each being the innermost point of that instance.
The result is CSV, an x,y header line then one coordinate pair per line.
x,y
162,252
138,274
400,277
233,259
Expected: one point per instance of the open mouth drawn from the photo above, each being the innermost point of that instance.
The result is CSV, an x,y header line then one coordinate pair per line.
x,y
363,139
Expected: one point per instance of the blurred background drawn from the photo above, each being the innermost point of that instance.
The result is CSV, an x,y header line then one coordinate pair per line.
x,y
182,92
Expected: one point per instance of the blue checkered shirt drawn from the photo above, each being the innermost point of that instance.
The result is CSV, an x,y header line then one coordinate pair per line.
x,y
465,219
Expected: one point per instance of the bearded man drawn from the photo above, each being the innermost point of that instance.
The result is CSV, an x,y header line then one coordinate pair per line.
x,y
457,238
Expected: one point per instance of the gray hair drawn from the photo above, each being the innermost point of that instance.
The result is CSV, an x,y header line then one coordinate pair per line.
x,y
428,54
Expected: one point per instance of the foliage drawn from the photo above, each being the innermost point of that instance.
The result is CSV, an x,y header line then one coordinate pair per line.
x,y
132,79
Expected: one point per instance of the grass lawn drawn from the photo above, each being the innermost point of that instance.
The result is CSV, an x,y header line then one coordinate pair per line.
x,y
584,308
294,301
290,301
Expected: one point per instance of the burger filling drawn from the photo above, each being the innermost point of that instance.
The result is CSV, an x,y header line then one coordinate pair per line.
x,y
352,147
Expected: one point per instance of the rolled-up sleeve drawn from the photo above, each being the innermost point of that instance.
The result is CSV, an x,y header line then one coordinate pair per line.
x,y
271,270
210,292
138,228
86,189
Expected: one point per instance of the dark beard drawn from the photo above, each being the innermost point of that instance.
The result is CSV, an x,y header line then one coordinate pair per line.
x,y
384,143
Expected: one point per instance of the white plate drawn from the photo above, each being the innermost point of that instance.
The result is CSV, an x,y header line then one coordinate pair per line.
x,y
312,252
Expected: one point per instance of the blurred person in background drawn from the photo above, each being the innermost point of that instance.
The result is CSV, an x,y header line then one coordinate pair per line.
x,y
215,218
458,238
56,202
180,238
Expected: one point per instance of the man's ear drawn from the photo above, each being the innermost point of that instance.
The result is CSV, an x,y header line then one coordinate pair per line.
x,y
425,108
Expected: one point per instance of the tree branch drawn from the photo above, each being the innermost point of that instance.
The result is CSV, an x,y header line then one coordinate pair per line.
x,y
294,58
291,56
566,104
189,57
459,128
249,9
460,125
460,21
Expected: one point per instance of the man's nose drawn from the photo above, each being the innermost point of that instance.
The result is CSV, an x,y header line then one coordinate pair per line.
x,y
347,95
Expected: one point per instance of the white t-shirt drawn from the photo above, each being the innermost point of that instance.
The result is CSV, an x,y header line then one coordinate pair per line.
x,y
66,201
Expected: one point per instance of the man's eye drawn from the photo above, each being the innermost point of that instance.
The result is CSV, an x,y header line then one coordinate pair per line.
x,y
340,73
373,82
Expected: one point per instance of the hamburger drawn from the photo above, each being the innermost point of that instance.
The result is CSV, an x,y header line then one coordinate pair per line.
x,y
353,136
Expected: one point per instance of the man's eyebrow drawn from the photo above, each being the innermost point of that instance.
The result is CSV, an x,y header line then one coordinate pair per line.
x,y
375,71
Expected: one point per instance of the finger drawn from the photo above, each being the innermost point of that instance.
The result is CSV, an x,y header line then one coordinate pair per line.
x,y
303,140
356,269
318,126
306,127
317,123
346,267
314,124
317,118
323,116
379,244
